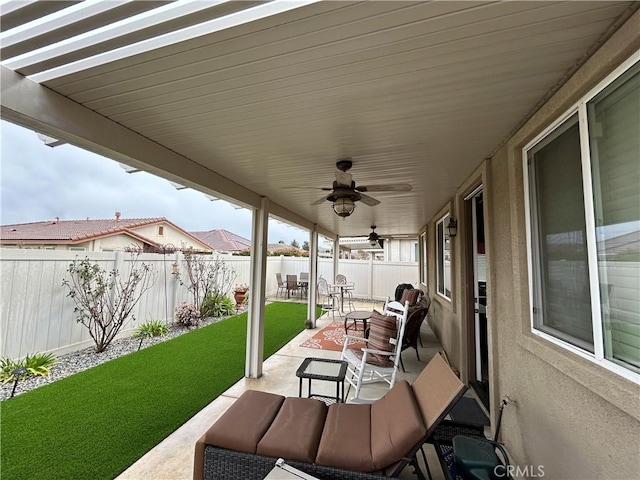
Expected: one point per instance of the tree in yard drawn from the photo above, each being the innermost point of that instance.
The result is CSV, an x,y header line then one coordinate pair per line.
x,y
104,299
305,245
205,275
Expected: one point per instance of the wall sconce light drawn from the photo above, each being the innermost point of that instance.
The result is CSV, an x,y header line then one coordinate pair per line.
x,y
452,227
174,268
18,372
344,206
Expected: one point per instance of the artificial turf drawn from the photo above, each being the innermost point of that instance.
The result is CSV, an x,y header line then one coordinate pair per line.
x,y
96,423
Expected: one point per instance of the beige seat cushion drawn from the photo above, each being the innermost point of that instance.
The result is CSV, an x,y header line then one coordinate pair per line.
x,y
241,427
295,432
396,426
245,422
346,438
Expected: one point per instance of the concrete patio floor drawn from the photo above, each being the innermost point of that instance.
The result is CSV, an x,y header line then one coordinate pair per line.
x,y
172,459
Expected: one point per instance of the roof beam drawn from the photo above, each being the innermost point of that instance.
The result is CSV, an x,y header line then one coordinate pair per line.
x,y
218,24
11,6
56,20
147,19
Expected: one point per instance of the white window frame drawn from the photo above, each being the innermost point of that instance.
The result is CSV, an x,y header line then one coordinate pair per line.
x,y
422,257
440,255
77,249
580,108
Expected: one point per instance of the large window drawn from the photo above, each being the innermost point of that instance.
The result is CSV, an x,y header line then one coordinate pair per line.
x,y
583,179
444,257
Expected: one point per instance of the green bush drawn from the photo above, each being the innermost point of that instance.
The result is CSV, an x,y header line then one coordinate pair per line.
x,y
217,305
7,366
36,364
153,328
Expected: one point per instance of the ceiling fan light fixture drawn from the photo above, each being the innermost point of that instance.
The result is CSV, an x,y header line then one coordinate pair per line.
x,y
343,206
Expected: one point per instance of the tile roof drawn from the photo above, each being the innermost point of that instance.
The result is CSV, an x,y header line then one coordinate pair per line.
x,y
223,240
72,230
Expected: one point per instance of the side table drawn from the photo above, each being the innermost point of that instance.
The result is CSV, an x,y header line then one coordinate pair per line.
x,y
355,317
326,370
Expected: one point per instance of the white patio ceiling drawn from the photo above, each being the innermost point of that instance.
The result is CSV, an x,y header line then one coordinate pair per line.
x,y
269,98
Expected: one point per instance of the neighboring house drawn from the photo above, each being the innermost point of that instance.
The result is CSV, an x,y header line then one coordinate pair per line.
x,y
393,249
223,241
105,235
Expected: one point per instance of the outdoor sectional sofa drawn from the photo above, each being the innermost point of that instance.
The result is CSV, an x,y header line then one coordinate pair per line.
x,y
342,441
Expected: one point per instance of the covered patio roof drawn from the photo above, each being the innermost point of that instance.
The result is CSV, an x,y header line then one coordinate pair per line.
x,y
245,100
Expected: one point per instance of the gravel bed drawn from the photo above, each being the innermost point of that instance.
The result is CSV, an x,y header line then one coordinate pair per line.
x,y
80,360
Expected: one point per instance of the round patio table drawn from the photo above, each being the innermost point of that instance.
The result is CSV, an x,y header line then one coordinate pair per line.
x,y
355,317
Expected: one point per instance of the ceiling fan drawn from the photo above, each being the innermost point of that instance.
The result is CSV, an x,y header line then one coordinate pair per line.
x,y
344,192
374,239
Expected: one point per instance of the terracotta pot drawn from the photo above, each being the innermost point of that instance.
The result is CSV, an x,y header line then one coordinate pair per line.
x,y
239,297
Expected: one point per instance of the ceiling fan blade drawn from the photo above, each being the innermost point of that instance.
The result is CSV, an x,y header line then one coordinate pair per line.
x,y
326,189
395,187
320,201
367,200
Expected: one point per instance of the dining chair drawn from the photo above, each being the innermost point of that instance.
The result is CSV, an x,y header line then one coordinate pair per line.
x,y
304,282
346,291
292,284
282,286
326,297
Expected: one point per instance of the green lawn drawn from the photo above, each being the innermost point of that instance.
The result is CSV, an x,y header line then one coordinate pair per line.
x,y
96,423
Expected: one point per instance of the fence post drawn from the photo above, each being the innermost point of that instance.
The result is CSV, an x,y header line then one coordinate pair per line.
x,y
371,276
176,285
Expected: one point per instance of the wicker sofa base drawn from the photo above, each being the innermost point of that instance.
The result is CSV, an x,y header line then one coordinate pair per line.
x,y
223,464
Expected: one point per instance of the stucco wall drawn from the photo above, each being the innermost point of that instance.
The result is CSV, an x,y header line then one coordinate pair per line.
x,y
169,236
573,417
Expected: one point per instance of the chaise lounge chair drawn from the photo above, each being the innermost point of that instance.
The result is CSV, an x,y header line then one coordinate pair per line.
x,y
342,441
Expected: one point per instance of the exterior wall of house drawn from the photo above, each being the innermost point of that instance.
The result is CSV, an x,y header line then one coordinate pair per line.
x,y
169,236
116,243
573,418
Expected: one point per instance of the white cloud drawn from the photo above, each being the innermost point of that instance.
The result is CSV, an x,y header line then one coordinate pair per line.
x,y
40,183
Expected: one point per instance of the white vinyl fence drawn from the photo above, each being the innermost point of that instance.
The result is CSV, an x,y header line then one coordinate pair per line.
x,y
36,315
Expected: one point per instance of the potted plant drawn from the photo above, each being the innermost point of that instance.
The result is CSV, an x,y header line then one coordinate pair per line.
x,y
240,293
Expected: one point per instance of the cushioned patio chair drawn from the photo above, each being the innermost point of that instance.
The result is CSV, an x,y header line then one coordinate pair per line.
x,y
342,441
416,316
379,359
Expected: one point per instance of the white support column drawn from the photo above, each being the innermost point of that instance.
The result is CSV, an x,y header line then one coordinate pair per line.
x,y
255,322
336,259
313,279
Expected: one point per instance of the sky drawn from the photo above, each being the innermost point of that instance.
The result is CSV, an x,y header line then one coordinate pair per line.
x,y
39,183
